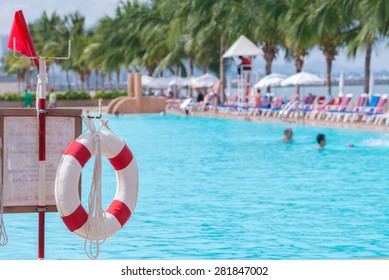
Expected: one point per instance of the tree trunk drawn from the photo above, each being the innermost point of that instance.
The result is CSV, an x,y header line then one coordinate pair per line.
x,y
88,80
151,69
52,77
75,81
102,81
191,67
68,80
268,72
177,70
96,79
19,83
118,79
329,70
82,80
222,70
299,63
367,66
329,52
205,65
270,51
110,81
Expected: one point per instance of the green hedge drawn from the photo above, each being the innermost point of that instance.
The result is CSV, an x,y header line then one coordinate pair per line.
x,y
73,95
68,95
11,96
109,94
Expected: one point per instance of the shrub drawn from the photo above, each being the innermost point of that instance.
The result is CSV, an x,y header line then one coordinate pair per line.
x,y
11,96
109,94
74,95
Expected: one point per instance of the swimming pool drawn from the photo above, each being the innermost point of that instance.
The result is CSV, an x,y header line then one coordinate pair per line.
x,y
229,189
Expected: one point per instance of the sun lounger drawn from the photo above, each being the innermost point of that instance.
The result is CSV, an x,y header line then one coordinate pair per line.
x,y
330,107
314,111
229,106
378,110
275,107
360,112
334,113
383,118
348,113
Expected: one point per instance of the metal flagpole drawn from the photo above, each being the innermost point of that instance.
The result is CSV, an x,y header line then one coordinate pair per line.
x,y
41,113
41,107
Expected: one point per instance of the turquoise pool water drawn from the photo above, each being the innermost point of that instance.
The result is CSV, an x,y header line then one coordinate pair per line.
x,y
229,189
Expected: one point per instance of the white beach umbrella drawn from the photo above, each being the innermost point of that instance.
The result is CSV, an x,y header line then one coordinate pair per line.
x,y
159,83
178,81
206,80
270,80
146,80
341,84
302,78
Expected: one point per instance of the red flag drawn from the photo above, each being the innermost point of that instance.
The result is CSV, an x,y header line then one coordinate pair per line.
x,y
24,44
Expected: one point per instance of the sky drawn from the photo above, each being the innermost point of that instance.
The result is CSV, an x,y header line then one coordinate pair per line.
x,y
96,9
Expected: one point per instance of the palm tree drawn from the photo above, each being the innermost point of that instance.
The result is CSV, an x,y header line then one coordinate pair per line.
x,y
207,28
46,33
263,20
18,67
369,20
321,25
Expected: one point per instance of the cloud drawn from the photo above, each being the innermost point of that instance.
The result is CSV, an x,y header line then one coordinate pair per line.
x,y
33,9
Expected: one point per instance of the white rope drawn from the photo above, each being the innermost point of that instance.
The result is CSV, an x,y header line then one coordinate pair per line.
x,y
3,233
96,216
104,123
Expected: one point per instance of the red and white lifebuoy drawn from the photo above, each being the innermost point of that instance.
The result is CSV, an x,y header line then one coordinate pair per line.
x,y
67,181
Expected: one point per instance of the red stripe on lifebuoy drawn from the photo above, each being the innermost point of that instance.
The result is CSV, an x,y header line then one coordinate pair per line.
x,y
78,151
77,219
120,211
123,159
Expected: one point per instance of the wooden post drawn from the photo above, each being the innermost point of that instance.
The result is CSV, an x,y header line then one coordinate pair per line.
x,y
130,85
138,92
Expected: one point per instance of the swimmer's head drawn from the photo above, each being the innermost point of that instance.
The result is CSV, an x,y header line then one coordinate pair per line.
x,y
288,133
321,139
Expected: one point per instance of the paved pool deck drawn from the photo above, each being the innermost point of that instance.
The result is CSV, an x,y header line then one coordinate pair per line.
x,y
319,123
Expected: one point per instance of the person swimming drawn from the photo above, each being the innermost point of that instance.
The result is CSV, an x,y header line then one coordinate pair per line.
x,y
288,135
321,140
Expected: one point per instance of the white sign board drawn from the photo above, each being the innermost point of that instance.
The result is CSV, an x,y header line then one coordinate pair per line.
x,y
21,147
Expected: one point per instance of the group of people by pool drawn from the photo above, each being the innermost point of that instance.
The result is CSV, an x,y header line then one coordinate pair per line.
x,y
320,138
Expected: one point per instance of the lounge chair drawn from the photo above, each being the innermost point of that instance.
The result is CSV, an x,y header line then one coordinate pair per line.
x,y
382,118
360,112
348,113
334,113
314,111
305,107
229,106
275,107
334,106
254,110
378,110
290,106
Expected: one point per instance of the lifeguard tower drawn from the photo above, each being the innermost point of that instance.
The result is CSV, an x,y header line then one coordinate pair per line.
x,y
245,48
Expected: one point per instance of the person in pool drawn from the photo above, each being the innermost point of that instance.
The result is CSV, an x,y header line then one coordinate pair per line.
x,y
288,135
321,140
